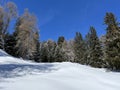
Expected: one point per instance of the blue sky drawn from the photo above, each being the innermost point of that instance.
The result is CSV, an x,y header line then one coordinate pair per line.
x,y
65,17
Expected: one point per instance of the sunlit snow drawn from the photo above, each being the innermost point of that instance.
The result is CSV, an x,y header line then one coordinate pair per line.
x,y
17,74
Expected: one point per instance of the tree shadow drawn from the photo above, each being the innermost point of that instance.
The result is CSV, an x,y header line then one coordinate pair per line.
x,y
1,88
17,70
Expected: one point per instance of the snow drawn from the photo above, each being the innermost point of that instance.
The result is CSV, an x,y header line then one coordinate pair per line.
x,y
17,74
3,53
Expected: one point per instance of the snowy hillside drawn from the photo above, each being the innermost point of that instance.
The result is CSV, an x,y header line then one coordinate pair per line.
x,y
16,74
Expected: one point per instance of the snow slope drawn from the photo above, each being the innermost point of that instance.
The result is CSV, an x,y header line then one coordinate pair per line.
x,y
16,74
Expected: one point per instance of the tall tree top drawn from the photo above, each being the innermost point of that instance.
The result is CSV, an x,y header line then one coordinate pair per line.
x,y
61,39
111,21
78,37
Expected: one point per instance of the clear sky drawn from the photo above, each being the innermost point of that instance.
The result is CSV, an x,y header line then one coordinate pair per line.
x,y
65,17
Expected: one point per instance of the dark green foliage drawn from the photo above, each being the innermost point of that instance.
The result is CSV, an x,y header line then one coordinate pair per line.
x,y
112,43
10,43
79,49
36,54
51,50
60,41
1,44
94,50
43,52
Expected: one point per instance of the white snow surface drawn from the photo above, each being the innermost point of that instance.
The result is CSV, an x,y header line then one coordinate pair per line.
x,y
16,74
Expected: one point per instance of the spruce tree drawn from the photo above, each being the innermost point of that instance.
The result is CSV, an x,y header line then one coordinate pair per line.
x,y
51,46
94,50
79,48
43,52
36,54
112,42
60,41
10,43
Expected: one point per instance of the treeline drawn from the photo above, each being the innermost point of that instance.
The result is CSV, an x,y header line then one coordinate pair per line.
x,y
103,52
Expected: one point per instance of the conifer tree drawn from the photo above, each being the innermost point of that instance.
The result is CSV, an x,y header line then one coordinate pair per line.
x,y
43,52
94,49
10,43
79,48
60,41
47,51
112,42
60,54
69,51
51,46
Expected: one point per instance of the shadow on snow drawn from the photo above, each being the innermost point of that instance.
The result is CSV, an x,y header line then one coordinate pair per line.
x,y
16,70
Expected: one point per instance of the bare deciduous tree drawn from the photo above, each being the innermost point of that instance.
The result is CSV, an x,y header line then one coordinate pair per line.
x,y
8,11
26,28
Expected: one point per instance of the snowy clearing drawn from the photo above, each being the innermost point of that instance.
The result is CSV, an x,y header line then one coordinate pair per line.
x,y
16,74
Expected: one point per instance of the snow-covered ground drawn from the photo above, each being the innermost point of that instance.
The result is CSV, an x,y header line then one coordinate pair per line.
x,y
16,74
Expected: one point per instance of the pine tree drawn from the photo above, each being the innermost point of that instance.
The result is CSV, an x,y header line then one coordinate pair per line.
x,y
43,52
79,48
60,41
51,46
94,49
112,42
10,43
36,54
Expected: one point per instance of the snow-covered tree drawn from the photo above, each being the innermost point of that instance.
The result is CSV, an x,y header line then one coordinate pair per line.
x,y
69,51
47,51
60,53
